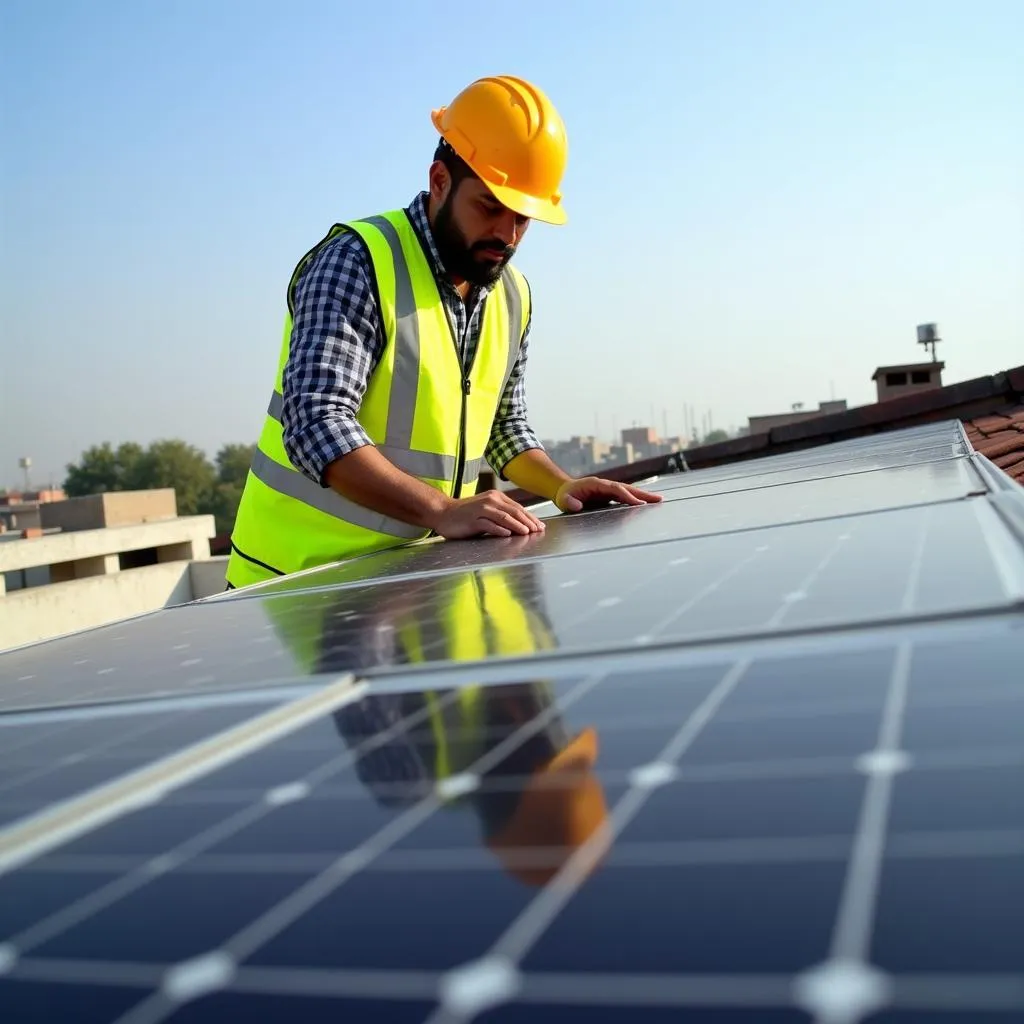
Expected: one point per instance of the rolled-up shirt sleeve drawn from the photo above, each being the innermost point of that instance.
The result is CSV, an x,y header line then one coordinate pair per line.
x,y
334,346
511,434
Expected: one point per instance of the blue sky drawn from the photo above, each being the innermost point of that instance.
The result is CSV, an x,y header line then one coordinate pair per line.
x,y
765,198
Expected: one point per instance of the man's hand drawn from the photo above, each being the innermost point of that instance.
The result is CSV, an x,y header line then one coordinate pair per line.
x,y
594,492
490,514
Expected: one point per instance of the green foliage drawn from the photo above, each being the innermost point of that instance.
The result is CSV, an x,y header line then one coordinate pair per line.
x,y
714,437
201,487
233,461
178,465
101,469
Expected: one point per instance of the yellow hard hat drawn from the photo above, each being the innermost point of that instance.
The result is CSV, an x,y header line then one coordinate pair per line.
x,y
513,139
562,807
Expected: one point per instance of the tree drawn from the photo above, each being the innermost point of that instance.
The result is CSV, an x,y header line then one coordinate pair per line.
x,y
715,436
101,469
233,461
179,465
200,488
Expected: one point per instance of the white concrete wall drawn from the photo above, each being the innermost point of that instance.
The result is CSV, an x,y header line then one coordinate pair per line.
x,y
37,613
57,548
28,616
208,577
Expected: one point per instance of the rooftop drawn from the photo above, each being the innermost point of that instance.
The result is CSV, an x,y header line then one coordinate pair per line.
x,y
753,751
985,405
930,365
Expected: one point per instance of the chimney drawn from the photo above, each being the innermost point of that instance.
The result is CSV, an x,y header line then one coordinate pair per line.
x,y
906,379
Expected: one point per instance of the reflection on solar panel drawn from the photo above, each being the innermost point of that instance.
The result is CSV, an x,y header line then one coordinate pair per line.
x,y
51,757
649,768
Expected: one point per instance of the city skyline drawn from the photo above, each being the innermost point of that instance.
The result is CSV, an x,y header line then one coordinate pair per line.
x,y
764,200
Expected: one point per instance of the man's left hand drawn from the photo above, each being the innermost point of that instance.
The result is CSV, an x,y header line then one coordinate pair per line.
x,y
595,492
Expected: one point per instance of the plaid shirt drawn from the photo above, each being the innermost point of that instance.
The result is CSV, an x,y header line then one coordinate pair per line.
x,y
337,342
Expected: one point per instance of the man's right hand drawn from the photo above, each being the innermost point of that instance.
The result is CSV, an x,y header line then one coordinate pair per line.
x,y
492,513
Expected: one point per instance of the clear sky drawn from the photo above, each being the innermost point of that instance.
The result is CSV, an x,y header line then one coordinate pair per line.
x,y
765,198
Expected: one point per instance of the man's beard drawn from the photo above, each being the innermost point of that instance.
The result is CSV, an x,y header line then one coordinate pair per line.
x,y
463,260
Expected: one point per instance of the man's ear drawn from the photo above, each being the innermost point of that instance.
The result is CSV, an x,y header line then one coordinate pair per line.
x,y
440,181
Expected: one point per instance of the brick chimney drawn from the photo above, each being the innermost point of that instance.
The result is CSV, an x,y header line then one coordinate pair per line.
x,y
907,378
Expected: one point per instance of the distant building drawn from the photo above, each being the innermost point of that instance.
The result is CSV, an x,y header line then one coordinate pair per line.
x,y
102,558
907,378
640,437
19,510
762,424
578,456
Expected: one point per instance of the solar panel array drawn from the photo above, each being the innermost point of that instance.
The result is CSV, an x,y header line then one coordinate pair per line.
x,y
802,680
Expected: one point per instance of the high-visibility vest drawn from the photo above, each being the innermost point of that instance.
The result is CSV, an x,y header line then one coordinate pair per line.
x,y
465,617
424,413
459,617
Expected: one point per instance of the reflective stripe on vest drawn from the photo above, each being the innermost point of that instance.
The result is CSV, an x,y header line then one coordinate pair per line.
x,y
411,411
422,464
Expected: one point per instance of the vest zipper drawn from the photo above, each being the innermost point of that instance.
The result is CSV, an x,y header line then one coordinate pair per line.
x,y
460,462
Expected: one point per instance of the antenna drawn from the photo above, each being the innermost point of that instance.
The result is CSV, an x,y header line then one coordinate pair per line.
x,y
928,334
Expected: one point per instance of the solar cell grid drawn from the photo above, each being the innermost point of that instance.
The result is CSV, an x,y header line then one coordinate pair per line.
x,y
801,676
778,870
854,570
43,763
740,504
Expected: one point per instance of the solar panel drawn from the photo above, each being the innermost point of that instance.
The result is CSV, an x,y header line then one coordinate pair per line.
x,y
766,772
731,501
49,758
746,864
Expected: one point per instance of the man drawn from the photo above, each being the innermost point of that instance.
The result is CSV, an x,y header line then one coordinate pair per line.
x,y
402,364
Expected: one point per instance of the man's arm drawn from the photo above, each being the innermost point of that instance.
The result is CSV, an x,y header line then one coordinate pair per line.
x,y
514,451
335,345
535,471
516,454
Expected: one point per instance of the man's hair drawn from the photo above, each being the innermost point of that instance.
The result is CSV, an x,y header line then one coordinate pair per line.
x,y
457,167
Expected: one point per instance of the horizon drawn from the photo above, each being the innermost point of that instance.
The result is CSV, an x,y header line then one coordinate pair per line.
x,y
764,202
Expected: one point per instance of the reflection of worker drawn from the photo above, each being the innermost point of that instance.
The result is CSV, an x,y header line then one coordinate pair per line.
x,y
461,616
402,364
537,799
539,791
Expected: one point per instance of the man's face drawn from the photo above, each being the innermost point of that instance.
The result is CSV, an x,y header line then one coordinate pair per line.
x,y
475,234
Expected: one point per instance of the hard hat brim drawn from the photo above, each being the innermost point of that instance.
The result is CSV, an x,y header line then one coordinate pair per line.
x,y
543,210
579,754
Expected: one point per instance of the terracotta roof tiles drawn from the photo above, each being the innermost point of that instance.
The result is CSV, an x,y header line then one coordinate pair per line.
x,y
1000,437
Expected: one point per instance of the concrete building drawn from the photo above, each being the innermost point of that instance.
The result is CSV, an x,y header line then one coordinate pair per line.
x,y
640,437
907,379
19,510
762,424
100,559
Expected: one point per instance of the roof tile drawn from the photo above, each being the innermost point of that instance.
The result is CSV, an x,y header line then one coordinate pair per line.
x,y
999,436
990,424
1010,461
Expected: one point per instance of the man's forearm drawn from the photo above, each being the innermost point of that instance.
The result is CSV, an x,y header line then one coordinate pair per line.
x,y
534,471
368,478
